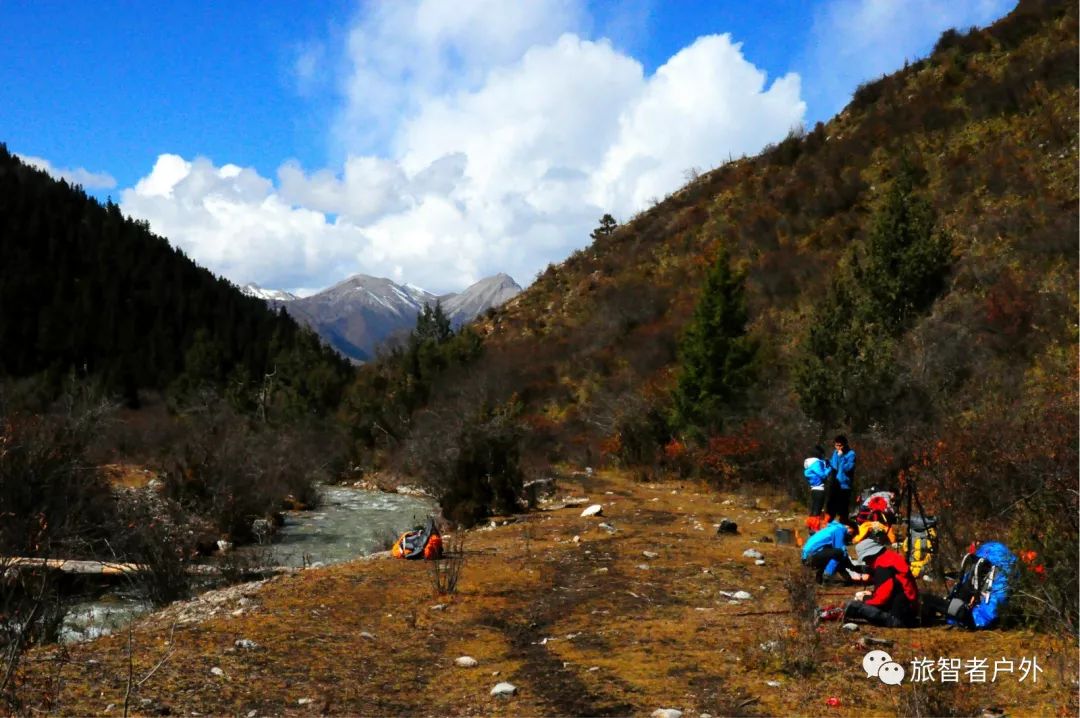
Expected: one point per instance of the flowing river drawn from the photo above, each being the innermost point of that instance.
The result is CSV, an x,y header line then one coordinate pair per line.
x,y
349,523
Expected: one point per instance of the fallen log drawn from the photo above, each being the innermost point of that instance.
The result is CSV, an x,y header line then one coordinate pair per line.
x,y
91,568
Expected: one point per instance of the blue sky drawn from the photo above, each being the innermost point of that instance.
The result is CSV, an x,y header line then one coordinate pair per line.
x,y
435,142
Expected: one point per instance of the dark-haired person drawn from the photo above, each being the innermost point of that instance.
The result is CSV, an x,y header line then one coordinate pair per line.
x,y
842,463
826,551
894,600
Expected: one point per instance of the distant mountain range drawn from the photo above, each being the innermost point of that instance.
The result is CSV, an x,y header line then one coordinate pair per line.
x,y
359,314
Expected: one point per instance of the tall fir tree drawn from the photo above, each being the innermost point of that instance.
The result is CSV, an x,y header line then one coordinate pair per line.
x,y
846,373
717,356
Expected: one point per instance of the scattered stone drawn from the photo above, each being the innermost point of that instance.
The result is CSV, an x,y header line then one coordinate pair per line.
x,y
368,636
773,684
607,527
850,627
110,707
494,673
217,672
751,553
305,701
870,641
576,501
246,643
593,669
705,715
466,662
727,526
594,510
504,689
603,569
770,646
643,567
666,713
759,562
252,714
741,596
650,554
576,539
438,607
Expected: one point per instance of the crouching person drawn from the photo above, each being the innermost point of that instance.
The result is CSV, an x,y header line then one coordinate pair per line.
x,y
894,600
826,551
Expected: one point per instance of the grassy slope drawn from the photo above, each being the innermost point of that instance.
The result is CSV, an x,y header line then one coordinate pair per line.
x,y
994,125
642,638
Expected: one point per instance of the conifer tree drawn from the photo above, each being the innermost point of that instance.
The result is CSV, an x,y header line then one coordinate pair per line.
x,y
716,354
847,369
608,225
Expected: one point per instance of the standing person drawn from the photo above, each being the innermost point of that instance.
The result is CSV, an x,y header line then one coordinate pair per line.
x,y
894,600
826,551
816,470
842,463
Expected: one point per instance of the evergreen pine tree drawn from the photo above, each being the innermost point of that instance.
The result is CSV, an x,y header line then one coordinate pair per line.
x,y
716,354
608,225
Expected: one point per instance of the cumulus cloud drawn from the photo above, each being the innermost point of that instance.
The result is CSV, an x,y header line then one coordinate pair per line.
x,y
79,176
857,40
505,135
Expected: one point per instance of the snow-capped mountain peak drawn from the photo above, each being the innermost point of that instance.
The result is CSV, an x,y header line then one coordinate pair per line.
x,y
271,295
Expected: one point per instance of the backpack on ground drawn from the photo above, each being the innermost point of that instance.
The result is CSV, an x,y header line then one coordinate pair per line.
x,y
920,542
985,574
421,543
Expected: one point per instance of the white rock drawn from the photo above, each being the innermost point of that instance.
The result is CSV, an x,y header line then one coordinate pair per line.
x,y
741,596
217,671
650,554
305,701
438,607
504,689
365,634
576,539
252,714
773,684
607,527
594,510
466,662
666,713
247,644
593,669
643,567
850,626
751,553
759,562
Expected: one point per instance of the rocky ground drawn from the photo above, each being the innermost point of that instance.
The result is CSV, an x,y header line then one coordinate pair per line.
x,y
640,608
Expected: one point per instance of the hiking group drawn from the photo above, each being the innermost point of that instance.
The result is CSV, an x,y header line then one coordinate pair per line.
x,y
887,568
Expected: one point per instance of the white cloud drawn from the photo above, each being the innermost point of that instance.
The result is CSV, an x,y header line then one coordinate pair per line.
x,y
853,41
79,176
508,135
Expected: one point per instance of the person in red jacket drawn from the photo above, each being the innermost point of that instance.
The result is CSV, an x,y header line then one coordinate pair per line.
x,y
894,600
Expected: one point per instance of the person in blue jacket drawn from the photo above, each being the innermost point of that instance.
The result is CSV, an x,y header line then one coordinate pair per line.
x,y
817,471
826,551
842,464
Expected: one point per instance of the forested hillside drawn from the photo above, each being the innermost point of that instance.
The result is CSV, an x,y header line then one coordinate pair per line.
x,y
906,273
85,290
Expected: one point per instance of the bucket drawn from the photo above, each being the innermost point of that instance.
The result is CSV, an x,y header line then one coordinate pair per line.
x,y
785,536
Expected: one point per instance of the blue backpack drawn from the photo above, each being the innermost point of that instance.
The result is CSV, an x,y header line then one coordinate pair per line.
x,y
986,574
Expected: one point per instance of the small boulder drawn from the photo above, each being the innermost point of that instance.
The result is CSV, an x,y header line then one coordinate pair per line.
x,y
850,626
368,636
217,672
466,662
667,713
727,526
594,510
247,644
650,554
504,689
741,596
751,553
759,562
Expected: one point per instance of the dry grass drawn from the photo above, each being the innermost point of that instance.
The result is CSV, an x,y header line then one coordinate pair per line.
x,y
591,627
